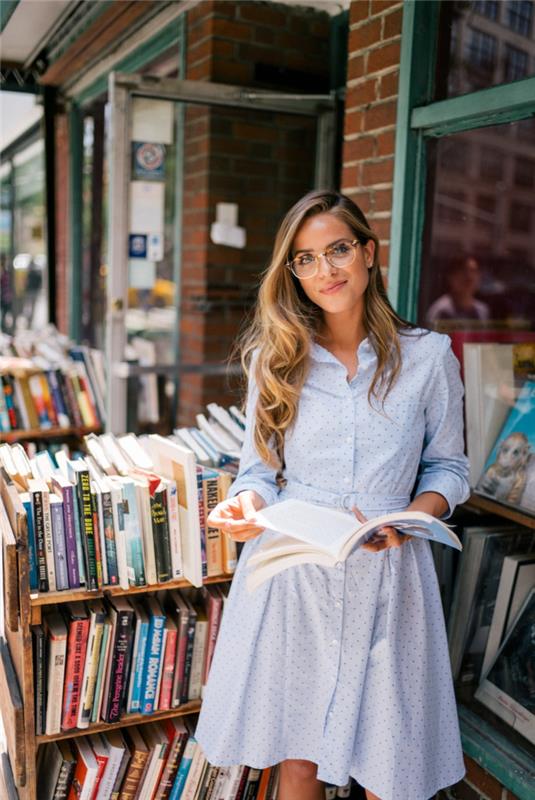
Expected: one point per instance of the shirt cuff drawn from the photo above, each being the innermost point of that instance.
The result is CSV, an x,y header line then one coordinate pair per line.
x,y
270,494
454,489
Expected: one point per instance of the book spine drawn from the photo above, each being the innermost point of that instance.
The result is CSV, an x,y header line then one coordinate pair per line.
x,y
109,539
39,526
195,776
39,402
9,399
33,576
134,546
229,549
57,397
168,671
91,671
174,530
21,404
60,551
213,536
55,679
120,666
49,541
184,697
183,770
242,784
102,661
160,532
39,660
197,659
80,539
70,537
84,496
178,679
76,649
152,664
50,410
133,775
5,424
96,539
64,781
202,521
215,608
171,767
139,668
125,761
70,399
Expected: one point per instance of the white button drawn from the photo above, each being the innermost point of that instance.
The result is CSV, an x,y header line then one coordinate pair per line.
x,y
338,604
334,642
346,480
349,439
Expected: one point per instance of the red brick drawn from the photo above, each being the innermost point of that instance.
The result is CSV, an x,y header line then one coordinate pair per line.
x,y
353,122
230,72
355,67
260,133
378,6
382,200
377,172
389,84
379,116
355,149
386,143
358,10
382,57
363,93
222,47
384,257
363,200
232,30
381,227
261,12
482,780
392,24
199,72
365,35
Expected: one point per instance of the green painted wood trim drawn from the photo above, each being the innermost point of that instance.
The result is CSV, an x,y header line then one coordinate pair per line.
x,y
512,767
420,24
7,7
135,61
500,104
75,217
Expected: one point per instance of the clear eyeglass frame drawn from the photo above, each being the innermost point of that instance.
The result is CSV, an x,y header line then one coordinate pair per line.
x,y
327,253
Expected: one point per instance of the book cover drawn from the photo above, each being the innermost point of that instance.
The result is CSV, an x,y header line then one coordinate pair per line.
x,y
202,520
135,687
152,656
177,736
39,677
56,634
105,645
36,490
509,472
139,754
59,544
120,658
77,621
160,532
168,664
214,555
85,772
64,489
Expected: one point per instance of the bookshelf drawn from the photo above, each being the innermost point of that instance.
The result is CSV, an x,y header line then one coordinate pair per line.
x,y
22,741
10,437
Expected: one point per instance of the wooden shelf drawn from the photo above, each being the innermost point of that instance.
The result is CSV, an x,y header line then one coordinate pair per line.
x,y
47,433
481,503
128,719
49,598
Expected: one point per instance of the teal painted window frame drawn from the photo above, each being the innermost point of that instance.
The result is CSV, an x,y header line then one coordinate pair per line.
x,y
420,119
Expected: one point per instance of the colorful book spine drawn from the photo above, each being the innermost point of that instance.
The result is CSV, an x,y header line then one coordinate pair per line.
x,y
183,770
76,649
96,629
168,668
9,398
138,663
49,405
5,424
134,545
213,536
78,533
102,663
96,539
120,664
32,547
39,675
49,541
109,539
39,402
57,398
160,533
70,534
190,641
202,521
87,528
39,527
58,536
152,656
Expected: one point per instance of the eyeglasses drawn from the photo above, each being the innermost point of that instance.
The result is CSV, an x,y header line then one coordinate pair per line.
x,y
340,255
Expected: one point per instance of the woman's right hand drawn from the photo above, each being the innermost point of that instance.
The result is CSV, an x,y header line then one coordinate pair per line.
x,y
232,515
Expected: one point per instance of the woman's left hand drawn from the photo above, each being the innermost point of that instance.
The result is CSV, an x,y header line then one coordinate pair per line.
x,y
383,539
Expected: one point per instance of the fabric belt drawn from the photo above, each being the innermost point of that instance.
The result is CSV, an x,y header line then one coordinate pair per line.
x,y
346,500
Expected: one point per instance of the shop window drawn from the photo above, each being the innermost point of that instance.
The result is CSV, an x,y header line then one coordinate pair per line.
x,y
478,280
479,46
518,16
516,64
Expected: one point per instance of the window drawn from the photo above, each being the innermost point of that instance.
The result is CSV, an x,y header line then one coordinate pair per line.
x,y
524,173
518,16
520,217
481,50
516,64
487,8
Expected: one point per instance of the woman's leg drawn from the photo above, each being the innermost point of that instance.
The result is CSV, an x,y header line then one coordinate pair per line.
x,y
297,779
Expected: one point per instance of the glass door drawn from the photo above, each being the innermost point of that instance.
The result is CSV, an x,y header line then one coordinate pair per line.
x,y
200,175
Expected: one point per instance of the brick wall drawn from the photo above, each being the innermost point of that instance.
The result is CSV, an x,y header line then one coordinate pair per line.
x,y
370,116
263,161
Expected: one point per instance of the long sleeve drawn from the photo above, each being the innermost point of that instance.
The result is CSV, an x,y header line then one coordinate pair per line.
x,y
253,472
443,465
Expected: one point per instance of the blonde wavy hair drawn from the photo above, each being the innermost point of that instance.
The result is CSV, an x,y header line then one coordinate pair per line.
x,y
285,323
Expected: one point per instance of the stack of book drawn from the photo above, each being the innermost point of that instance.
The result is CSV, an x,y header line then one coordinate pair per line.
x,y
158,761
131,512
108,658
49,384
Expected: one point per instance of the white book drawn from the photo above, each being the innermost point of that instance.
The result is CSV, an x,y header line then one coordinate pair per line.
x,y
97,615
86,754
195,773
158,743
114,747
160,668
96,449
517,578
238,415
40,486
135,452
56,633
313,534
119,530
114,453
197,657
232,782
202,456
218,435
223,417
178,463
147,538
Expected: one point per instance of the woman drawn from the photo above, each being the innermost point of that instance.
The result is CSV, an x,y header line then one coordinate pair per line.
x,y
340,671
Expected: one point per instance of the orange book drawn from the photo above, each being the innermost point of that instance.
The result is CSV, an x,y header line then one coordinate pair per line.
x,y
139,753
264,783
85,772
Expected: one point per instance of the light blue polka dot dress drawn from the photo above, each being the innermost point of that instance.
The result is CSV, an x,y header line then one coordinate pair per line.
x,y
348,666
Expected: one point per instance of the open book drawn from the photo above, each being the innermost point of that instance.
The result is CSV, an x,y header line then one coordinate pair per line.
x,y
312,534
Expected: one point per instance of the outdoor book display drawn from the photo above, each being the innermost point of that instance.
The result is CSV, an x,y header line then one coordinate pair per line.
x,y
490,613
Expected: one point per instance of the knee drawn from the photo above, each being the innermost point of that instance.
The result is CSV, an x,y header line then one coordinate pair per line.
x,y
297,769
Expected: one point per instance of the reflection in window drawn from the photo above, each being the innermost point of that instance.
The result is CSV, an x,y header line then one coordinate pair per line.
x,y
487,8
481,51
518,16
478,263
516,64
